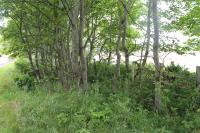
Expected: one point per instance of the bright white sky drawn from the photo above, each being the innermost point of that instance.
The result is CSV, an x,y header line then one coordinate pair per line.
x,y
4,60
3,22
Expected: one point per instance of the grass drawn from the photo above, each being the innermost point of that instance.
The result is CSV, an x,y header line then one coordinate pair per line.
x,y
9,99
44,111
13,99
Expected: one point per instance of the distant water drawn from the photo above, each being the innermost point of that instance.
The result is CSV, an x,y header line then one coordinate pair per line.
x,y
189,61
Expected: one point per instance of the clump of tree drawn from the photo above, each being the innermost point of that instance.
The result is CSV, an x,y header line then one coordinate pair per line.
x,y
62,39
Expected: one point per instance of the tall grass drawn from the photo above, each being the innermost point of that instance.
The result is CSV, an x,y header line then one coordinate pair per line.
x,y
48,109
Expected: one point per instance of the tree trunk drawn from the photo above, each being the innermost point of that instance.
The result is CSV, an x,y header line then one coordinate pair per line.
x,y
81,47
91,39
117,50
37,63
110,39
109,57
75,43
117,67
32,65
148,35
156,46
118,57
147,44
124,36
44,62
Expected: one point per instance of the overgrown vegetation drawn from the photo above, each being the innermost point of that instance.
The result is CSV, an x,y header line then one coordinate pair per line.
x,y
47,108
70,77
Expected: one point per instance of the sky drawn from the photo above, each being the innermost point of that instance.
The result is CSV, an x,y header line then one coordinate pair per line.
x,y
4,60
2,22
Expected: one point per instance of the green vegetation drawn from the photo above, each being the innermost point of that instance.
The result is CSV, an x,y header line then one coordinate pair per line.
x,y
73,71
46,108
8,99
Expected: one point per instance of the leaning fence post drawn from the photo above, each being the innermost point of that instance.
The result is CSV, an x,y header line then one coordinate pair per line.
x,y
198,77
133,70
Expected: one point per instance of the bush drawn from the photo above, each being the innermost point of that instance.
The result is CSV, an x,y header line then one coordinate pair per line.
x,y
22,65
98,110
25,81
74,112
101,72
180,90
93,112
24,78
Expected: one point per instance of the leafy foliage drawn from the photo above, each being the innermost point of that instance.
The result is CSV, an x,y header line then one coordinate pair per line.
x,y
98,110
64,87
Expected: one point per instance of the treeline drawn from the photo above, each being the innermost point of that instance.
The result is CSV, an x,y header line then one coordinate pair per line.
x,y
60,38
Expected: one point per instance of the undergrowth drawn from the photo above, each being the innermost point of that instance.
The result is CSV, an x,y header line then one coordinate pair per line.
x,y
45,108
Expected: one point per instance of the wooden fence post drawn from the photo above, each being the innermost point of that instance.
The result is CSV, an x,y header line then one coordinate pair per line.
x,y
198,77
133,71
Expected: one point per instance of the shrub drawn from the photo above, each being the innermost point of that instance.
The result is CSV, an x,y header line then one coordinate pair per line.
x,y
24,78
22,65
98,110
25,81
74,112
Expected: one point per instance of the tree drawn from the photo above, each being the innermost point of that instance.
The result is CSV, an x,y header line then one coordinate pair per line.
x,y
156,46
60,37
